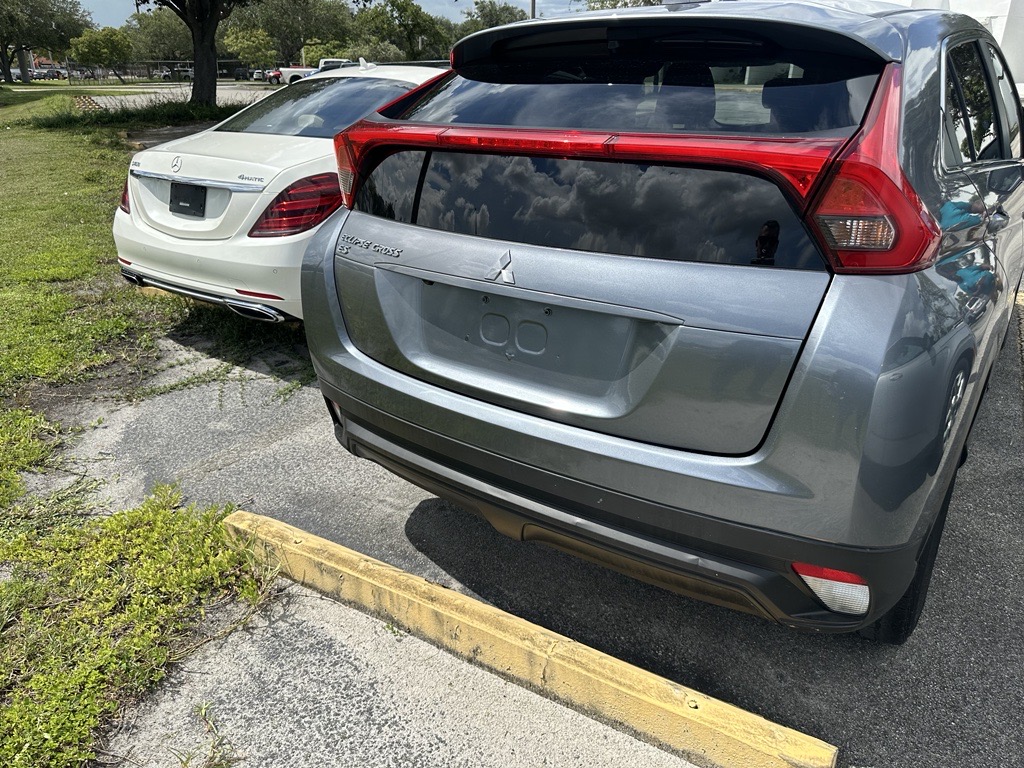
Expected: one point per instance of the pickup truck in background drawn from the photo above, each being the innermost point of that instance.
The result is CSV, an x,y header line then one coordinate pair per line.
x,y
289,75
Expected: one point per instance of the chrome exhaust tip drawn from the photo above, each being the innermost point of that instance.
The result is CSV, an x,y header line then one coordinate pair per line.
x,y
256,312
246,309
131,277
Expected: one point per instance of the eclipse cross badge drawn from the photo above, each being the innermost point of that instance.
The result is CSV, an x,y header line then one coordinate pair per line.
x,y
176,163
501,270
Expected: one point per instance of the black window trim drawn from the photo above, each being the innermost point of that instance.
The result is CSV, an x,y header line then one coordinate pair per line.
x,y
1003,118
948,68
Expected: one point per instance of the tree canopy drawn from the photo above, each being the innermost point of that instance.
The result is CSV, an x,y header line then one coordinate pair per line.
x,y
159,35
293,24
107,47
490,13
46,25
254,48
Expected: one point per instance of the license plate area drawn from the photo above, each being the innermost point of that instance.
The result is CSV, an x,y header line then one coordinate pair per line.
x,y
188,199
489,328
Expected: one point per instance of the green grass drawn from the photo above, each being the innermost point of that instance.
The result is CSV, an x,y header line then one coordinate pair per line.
x,y
56,109
91,613
25,443
91,609
65,313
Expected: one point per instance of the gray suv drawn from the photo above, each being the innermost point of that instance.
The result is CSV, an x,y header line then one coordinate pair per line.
x,y
706,293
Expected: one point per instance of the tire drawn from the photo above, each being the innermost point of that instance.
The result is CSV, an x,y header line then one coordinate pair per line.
x,y
274,81
955,392
955,396
896,626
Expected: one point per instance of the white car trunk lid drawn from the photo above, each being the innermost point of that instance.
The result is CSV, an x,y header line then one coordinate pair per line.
x,y
214,184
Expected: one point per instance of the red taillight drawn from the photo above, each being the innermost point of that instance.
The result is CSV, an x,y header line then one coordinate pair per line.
x,y
125,205
302,206
840,591
794,163
869,217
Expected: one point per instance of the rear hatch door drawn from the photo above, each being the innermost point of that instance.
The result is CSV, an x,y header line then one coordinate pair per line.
x,y
662,304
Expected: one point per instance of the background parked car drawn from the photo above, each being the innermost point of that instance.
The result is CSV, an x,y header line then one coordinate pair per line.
x,y
225,215
242,73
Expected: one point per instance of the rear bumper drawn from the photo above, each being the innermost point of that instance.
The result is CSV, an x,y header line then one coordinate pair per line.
x,y
214,270
250,309
736,566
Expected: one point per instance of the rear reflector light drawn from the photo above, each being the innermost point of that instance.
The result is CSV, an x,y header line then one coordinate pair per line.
x,y
302,206
125,205
124,261
868,216
793,163
258,295
840,591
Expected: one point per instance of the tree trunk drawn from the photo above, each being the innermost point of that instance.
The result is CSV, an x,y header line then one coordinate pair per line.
x,y
5,64
204,74
26,68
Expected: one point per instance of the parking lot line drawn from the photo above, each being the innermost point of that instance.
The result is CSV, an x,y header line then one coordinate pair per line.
x,y
702,729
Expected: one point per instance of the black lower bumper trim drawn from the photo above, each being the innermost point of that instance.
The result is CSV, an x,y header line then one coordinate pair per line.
x,y
725,563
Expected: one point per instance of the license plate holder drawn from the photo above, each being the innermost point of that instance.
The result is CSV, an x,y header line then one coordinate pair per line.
x,y
188,199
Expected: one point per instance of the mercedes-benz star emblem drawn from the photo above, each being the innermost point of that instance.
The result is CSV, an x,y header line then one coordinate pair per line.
x,y
176,163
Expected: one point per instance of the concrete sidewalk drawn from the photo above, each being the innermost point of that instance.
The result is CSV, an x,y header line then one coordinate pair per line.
x,y
310,683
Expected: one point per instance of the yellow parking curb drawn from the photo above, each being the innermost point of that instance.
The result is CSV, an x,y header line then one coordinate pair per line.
x,y
703,729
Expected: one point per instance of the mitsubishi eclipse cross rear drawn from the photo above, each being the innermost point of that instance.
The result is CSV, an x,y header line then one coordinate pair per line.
x,y
706,293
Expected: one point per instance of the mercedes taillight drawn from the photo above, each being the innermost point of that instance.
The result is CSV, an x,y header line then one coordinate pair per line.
x,y
302,206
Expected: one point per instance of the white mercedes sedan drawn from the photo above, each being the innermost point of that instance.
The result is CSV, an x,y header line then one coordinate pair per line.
x,y
224,215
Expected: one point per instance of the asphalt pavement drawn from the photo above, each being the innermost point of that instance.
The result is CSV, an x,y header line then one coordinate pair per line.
x,y
950,697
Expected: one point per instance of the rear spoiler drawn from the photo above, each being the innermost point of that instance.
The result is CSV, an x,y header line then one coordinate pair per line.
x,y
605,34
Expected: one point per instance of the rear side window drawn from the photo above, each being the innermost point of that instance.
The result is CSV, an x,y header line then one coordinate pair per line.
x,y
320,107
970,108
652,211
745,86
1008,96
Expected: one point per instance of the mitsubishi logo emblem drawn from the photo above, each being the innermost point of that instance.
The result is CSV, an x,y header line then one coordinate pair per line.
x,y
176,163
501,270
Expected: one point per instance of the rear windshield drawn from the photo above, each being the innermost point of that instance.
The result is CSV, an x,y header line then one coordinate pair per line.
x,y
653,211
320,107
744,87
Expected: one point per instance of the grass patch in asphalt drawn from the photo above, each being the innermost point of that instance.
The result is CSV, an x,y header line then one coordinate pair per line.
x,y
25,443
92,611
